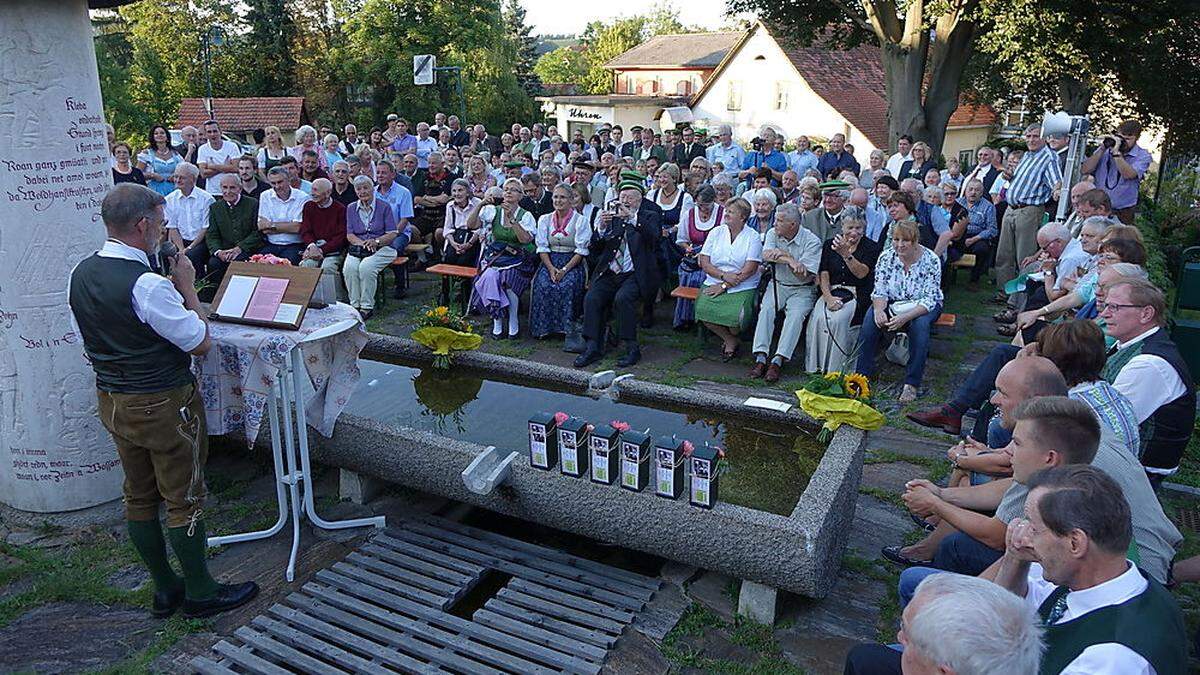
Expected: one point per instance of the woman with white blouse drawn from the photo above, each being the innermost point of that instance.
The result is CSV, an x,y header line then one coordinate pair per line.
x,y
272,151
306,139
507,263
563,237
730,258
907,297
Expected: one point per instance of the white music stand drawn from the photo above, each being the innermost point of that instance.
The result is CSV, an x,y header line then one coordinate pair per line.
x,y
288,395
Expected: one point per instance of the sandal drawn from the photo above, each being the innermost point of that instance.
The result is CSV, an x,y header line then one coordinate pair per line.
x,y
892,554
727,356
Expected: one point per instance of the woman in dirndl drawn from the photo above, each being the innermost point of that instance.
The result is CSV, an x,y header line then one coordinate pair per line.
x,y
507,262
693,230
563,236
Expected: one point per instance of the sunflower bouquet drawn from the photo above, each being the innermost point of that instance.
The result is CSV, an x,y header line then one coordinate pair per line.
x,y
840,398
444,332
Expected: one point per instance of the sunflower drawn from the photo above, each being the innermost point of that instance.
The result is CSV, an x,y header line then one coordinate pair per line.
x,y
856,385
442,311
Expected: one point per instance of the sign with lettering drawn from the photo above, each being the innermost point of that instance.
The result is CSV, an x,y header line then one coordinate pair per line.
x,y
583,114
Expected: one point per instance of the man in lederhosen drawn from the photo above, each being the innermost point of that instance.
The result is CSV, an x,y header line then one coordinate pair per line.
x,y
139,331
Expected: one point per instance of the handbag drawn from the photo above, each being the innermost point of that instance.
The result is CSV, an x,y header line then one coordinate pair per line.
x,y
843,293
897,351
358,251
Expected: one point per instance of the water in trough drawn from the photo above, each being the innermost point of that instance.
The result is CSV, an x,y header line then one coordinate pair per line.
x,y
767,466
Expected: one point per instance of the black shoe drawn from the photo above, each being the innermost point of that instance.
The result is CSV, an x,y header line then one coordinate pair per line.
x,y
366,314
631,357
588,357
166,602
892,554
227,597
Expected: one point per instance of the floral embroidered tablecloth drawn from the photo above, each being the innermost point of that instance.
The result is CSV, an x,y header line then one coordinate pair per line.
x,y
237,374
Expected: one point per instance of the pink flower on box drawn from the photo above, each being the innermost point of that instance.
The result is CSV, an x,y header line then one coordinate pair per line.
x,y
619,426
688,448
560,417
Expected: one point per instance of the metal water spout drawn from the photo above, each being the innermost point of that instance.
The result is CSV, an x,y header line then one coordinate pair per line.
x,y
489,470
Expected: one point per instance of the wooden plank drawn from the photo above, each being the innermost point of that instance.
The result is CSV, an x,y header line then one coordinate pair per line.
x,y
292,657
539,635
531,559
576,616
634,578
380,652
526,572
946,320
571,600
461,566
401,574
685,292
207,666
453,270
392,585
465,628
246,659
525,615
312,644
419,566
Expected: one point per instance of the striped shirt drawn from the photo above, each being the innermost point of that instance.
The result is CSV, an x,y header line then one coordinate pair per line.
x,y
1113,410
1036,176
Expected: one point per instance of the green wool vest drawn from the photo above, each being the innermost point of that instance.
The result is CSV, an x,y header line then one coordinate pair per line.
x,y
1149,624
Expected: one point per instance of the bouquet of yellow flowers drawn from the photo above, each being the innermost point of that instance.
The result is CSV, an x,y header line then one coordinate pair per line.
x,y
840,398
443,332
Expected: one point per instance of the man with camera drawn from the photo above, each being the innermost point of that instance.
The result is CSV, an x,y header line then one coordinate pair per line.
x,y
628,230
139,332
1119,164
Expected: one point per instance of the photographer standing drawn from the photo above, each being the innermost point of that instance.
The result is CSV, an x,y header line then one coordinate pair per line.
x,y
1119,164
139,331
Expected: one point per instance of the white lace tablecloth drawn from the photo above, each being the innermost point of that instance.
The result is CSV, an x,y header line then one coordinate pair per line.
x,y
237,374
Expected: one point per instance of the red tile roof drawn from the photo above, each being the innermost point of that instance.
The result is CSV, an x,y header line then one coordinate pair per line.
x,y
247,114
853,82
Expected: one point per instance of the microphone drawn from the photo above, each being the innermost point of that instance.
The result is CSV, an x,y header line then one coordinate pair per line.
x,y
166,256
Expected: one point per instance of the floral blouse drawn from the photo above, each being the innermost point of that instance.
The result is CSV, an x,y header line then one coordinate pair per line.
x,y
922,282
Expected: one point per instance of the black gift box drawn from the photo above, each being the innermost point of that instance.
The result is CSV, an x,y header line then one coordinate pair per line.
x,y
704,476
668,467
573,447
543,441
635,460
604,446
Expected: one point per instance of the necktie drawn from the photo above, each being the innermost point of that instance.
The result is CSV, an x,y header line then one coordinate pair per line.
x,y
1111,350
1059,607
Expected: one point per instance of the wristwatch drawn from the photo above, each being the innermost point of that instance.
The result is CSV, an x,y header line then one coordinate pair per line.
x,y
725,285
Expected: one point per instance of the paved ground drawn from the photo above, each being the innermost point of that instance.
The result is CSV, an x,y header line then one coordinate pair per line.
x,y
70,601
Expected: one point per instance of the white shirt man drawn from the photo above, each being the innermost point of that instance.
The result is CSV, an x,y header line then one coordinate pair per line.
x,y
289,209
216,158
187,213
904,145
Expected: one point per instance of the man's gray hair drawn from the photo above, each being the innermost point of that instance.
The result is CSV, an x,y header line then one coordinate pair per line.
x,y
1129,270
126,204
911,184
343,162
437,154
1056,230
788,211
363,180
322,184
724,129
280,171
187,168
723,179
1098,223
1004,637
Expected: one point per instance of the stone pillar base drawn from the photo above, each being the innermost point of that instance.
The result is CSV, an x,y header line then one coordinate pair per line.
x,y
758,602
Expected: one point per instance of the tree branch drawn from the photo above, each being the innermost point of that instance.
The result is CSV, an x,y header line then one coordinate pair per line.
x,y
883,16
849,11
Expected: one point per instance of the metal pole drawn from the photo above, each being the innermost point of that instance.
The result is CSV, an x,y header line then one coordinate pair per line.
x,y
208,72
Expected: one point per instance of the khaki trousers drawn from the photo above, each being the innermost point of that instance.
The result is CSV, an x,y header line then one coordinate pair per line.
x,y
162,441
1018,240
797,302
362,276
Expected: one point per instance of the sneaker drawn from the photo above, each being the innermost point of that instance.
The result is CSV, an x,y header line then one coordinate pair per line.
x,y
943,417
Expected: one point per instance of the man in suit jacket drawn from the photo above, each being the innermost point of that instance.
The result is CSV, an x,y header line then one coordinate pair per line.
x,y
985,170
687,149
626,270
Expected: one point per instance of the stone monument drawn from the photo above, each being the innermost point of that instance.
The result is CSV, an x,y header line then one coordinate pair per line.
x,y
54,170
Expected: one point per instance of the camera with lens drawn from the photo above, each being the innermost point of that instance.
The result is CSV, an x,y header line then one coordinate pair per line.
x,y
756,143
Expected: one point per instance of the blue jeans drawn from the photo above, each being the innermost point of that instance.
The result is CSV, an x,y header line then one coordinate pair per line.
x,y
964,554
910,578
918,344
974,390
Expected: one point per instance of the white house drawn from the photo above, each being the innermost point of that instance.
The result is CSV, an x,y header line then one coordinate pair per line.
x,y
765,80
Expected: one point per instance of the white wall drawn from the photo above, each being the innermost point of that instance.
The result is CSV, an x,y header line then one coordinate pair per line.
x,y
759,79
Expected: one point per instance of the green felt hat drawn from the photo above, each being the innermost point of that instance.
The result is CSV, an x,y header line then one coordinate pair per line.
x,y
833,186
638,185
629,174
514,164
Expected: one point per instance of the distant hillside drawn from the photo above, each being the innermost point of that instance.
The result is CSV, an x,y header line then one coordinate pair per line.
x,y
548,43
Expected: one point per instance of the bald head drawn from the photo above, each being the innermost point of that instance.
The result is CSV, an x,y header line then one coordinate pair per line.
x,y
1023,378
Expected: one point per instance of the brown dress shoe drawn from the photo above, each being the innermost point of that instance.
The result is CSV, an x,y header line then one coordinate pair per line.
x,y
773,372
758,370
943,417
1007,316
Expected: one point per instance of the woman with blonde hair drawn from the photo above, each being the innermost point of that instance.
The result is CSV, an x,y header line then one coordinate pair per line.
x,y
272,152
563,237
920,164
846,277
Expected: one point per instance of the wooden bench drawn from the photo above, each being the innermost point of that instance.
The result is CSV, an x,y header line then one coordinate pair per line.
x,y
380,292
448,272
966,262
946,320
685,293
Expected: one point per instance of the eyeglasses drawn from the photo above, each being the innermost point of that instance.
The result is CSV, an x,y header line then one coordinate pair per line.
x,y
1114,306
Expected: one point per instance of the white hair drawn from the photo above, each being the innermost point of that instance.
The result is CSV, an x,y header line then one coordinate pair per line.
x,y
722,179
1004,636
331,137
363,180
1098,223
762,193
1056,230
188,168
1129,270
303,131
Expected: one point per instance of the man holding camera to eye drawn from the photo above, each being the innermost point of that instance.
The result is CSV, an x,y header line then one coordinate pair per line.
x,y
1119,164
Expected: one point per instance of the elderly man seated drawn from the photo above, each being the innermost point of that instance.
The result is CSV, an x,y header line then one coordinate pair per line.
x,y
232,227
794,256
323,228
186,214
1060,258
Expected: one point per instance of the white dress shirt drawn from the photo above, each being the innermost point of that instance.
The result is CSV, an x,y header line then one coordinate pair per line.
x,y
188,214
731,256
277,210
1108,657
1149,382
155,301
895,162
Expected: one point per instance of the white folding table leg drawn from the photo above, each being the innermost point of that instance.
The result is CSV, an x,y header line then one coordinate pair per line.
x,y
298,389
293,477
280,493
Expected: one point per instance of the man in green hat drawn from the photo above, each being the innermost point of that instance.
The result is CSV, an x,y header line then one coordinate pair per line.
x,y
626,270
826,220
